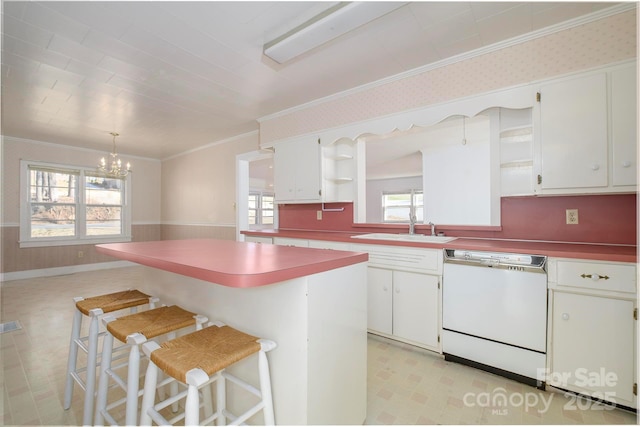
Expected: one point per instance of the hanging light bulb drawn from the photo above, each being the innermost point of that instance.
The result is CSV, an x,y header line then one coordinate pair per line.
x,y
114,168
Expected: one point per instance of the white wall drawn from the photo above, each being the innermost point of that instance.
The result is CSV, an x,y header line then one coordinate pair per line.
x,y
198,187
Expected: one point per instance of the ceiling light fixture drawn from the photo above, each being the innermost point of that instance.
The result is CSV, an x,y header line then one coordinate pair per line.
x,y
333,22
114,169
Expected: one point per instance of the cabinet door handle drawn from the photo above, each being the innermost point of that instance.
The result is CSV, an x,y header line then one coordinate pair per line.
x,y
626,164
595,167
384,288
594,277
565,316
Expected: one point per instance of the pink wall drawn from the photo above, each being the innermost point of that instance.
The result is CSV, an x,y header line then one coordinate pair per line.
x,y
608,219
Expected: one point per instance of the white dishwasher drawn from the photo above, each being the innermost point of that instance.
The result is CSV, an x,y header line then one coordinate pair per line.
x,y
494,312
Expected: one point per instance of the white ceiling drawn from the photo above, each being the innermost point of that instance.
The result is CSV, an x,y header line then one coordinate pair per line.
x,y
172,76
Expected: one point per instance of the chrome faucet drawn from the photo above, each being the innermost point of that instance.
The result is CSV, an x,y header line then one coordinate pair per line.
x,y
412,223
433,228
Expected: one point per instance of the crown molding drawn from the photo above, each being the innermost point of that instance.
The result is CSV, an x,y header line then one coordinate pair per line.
x,y
212,144
16,139
543,32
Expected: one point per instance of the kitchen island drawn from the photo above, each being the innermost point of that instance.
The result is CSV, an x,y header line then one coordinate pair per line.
x,y
311,302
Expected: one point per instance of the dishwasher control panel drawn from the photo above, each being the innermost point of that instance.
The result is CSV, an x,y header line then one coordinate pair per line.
x,y
509,261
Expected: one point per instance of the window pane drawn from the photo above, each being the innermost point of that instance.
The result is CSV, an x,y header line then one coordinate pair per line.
x,y
267,220
55,187
267,202
103,191
104,220
396,214
252,217
53,220
396,199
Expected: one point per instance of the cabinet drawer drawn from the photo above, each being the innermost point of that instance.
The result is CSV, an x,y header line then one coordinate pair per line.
x,y
596,275
418,260
286,241
327,244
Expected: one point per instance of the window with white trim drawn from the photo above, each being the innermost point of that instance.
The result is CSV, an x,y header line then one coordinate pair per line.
x,y
66,205
261,208
397,206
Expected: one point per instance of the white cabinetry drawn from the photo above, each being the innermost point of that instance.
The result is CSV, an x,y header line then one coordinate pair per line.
x,y
258,239
404,304
403,300
573,133
586,133
307,172
297,171
287,241
327,244
592,329
624,137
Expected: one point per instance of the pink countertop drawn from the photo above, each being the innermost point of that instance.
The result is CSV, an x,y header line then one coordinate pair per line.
x,y
230,263
619,253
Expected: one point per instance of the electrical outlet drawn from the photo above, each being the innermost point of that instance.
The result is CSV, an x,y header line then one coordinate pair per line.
x,y
319,215
572,216
80,254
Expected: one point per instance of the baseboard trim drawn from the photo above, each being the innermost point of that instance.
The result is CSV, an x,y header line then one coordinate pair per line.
x,y
61,271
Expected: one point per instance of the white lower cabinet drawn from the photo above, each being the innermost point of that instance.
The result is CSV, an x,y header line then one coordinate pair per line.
x,y
404,305
592,329
380,300
404,299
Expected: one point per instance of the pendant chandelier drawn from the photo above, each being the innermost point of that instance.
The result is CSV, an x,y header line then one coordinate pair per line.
x,y
114,167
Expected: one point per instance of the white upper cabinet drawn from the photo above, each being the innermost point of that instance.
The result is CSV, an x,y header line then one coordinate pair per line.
x,y
297,171
624,137
586,133
306,171
573,133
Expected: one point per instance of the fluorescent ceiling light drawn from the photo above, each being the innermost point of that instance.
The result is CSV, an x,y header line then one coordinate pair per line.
x,y
332,23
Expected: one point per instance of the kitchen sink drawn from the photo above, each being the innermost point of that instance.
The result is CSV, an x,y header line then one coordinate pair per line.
x,y
423,238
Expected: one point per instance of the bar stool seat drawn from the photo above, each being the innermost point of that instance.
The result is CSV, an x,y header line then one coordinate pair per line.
x,y
199,359
136,329
94,308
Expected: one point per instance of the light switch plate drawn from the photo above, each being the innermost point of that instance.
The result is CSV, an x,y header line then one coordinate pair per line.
x,y
319,215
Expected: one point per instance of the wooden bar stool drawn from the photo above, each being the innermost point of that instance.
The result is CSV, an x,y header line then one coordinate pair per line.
x,y
135,329
199,359
94,307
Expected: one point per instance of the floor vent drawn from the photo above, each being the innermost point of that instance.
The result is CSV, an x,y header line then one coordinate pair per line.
x,y
14,325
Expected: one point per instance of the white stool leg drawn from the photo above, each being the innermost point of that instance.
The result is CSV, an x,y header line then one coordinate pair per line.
x,y
92,357
195,379
192,407
150,383
221,399
73,355
265,389
103,384
133,378
148,397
